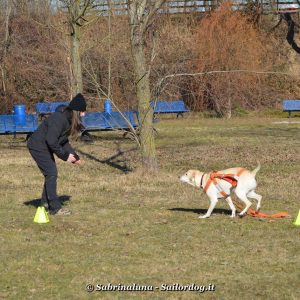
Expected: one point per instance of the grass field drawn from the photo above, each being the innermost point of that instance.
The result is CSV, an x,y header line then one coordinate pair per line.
x,y
127,228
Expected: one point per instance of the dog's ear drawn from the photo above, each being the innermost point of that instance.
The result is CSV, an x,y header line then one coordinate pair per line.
x,y
197,173
193,173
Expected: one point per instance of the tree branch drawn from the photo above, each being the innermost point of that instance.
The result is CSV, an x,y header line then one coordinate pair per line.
x,y
87,4
152,11
99,89
291,31
160,82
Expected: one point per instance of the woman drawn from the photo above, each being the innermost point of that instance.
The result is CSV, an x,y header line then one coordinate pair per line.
x,y
51,138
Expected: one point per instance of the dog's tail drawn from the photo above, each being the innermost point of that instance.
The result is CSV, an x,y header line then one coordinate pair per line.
x,y
256,169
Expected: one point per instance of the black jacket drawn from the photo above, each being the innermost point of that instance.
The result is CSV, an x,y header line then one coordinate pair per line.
x,y
52,135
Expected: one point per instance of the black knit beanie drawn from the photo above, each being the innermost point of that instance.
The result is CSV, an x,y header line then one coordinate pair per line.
x,y
78,103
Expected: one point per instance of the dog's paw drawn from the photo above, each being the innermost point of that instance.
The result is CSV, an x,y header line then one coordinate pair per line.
x,y
242,215
232,216
203,217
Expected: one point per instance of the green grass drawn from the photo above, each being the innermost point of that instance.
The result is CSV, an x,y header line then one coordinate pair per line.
x,y
128,228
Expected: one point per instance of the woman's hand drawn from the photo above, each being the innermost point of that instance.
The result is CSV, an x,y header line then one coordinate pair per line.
x,y
78,162
71,158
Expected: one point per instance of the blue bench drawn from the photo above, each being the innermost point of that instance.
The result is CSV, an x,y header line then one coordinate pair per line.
x,y
46,108
93,121
167,107
12,124
108,121
290,106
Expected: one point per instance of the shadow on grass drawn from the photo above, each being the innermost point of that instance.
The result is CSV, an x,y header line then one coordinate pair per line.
x,y
37,202
201,211
116,161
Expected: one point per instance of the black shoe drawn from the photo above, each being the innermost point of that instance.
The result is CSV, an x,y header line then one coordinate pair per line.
x,y
45,204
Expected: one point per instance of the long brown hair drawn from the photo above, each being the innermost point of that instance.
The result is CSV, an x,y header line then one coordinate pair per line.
x,y
76,123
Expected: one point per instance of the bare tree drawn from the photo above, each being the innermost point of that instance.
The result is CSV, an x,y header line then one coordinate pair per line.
x,y
140,15
77,11
7,14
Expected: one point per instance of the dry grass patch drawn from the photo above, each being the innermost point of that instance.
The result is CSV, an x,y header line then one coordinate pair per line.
x,y
128,228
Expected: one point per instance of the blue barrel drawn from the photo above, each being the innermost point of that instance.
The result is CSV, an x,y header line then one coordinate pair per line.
x,y
20,114
107,106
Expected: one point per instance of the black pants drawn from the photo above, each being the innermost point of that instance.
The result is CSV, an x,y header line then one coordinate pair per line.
x,y
46,163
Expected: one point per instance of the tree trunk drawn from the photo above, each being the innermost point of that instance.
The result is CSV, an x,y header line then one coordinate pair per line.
x,y
144,98
75,14
228,110
76,73
6,46
140,16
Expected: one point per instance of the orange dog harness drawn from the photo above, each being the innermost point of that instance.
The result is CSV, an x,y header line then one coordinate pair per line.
x,y
231,178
